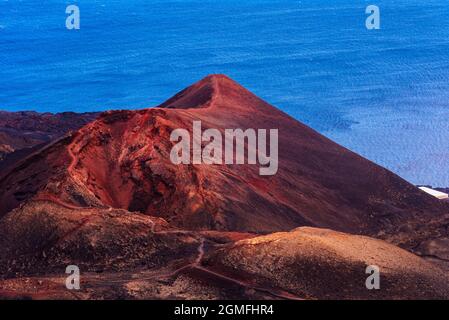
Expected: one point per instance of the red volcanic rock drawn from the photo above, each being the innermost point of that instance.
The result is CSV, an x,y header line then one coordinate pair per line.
x,y
108,199
122,160
19,130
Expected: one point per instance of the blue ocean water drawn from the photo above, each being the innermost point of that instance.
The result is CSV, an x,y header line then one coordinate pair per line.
x,y
382,93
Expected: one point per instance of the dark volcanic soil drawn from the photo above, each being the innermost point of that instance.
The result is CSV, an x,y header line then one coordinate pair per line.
x,y
22,130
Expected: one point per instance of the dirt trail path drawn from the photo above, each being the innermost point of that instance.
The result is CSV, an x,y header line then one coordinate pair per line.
x,y
195,265
75,160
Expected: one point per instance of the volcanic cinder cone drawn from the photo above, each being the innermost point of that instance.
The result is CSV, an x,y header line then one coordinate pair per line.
x,y
122,160
107,198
